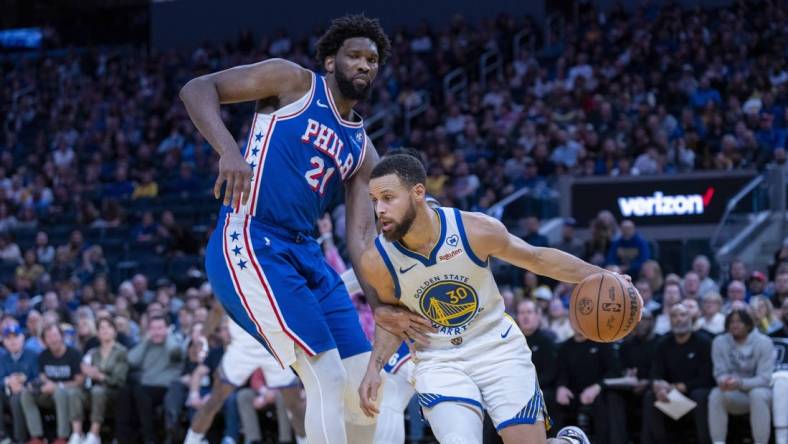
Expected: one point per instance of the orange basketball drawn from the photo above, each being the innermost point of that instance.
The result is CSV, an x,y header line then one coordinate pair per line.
x,y
605,307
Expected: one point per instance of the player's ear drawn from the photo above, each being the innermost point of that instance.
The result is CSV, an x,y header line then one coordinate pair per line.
x,y
419,191
328,64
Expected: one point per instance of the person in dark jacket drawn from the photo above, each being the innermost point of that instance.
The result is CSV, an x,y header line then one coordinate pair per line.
x,y
18,367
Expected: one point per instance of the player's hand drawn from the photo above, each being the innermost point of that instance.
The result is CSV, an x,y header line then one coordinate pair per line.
x,y
368,392
662,394
405,324
589,394
564,396
237,174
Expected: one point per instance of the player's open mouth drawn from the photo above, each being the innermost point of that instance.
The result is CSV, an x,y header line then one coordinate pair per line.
x,y
386,226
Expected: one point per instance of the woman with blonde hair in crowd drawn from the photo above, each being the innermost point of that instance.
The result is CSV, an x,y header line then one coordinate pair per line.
x,y
651,272
765,317
712,320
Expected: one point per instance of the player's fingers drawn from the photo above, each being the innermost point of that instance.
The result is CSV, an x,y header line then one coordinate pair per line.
x,y
241,180
247,187
422,321
423,329
228,189
419,337
217,187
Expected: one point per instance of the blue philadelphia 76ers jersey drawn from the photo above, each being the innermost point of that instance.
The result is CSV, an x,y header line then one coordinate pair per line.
x,y
301,155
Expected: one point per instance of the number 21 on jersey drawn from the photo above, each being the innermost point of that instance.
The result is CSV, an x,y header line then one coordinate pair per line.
x,y
319,175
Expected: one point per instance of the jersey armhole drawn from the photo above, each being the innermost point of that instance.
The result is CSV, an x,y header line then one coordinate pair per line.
x,y
464,237
361,158
389,266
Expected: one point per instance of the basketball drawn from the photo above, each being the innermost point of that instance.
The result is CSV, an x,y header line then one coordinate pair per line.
x,y
604,307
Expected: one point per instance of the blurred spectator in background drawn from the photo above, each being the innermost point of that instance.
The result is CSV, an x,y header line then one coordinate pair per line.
x,y
743,366
702,267
106,367
670,297
569,243
629,251
712,320
157,359
18,369
60,388
682,362
583,366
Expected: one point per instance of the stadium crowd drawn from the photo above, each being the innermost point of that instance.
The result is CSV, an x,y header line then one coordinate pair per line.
x,y
104,210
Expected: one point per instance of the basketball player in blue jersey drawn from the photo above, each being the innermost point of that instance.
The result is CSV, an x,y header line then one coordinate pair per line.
x,y
435,262
263,265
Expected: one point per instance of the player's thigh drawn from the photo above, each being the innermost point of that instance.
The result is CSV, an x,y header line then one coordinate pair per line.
x,y
508,383
524,433
437,382
340,314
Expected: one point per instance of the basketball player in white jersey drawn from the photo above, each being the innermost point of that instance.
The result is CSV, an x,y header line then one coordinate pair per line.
x,y
435,262
243,356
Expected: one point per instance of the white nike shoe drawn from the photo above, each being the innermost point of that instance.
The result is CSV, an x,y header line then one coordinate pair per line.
x,y
573,435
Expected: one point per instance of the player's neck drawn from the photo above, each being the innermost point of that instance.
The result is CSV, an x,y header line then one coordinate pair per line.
x,y
344,105
423,232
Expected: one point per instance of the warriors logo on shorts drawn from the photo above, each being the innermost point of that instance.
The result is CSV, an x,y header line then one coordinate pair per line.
x,y
449,303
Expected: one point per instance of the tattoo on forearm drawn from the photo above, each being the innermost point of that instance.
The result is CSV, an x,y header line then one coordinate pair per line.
x,y
379,362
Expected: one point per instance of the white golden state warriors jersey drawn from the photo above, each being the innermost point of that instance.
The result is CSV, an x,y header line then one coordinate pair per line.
x,y
452,287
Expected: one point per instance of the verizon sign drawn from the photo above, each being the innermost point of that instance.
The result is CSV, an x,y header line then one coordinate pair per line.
x,y
655,200
660,204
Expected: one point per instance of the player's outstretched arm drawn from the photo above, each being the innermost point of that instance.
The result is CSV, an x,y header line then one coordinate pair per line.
x,y
203,95
489,237
360,219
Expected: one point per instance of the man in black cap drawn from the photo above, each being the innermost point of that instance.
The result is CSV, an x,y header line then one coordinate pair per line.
x,y
569,243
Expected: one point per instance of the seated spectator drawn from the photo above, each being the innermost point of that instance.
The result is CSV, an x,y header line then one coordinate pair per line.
x,y
60,388
693,308
251,399
637,356
532,235
559,320
780,289
583,366
712,320
146,188
682,361
45,253
737,294
649,304
702,266
780,382
756,284
544,348
9,250
33,325
671,297
652,273
18,368
736,272
629,250
691,285
743,366
158,359
569,243
766,318
106,366
147,232
86,331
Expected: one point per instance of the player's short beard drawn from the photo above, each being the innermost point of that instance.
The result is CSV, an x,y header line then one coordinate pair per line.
x,y
402,228
348,89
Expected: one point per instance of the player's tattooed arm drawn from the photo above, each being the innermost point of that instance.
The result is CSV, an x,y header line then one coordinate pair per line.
x,y
489,237
384,346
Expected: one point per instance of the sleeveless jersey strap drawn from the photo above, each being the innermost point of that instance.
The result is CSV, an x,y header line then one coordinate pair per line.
x,y
461,228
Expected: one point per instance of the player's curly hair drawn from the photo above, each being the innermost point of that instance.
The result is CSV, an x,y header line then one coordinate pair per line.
x,y
348,27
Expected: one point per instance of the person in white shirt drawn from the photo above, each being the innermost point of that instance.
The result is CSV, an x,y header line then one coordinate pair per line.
x,y
671,296
712,319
